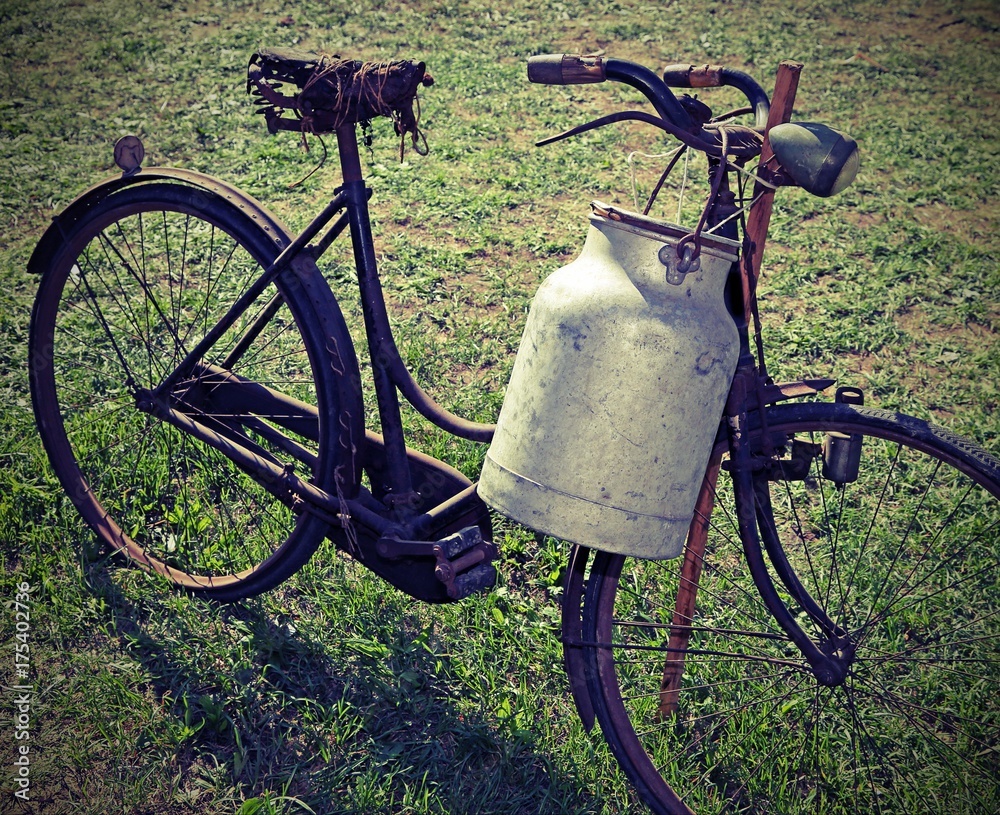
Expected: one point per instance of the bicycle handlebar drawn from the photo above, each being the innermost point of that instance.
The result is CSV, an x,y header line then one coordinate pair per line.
x,y
574,69
565,69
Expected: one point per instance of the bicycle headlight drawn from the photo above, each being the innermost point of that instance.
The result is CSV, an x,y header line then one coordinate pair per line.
x,y
818,158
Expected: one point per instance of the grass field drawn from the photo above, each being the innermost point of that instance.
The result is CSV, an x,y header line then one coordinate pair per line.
x,y
334,693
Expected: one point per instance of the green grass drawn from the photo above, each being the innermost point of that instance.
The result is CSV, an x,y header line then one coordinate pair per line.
x,y
337,694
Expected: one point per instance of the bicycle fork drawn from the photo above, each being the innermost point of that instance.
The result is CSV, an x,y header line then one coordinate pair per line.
x,y
831,663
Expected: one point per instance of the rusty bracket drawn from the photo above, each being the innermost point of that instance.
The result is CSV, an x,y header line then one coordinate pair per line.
x,y
797,466
770,394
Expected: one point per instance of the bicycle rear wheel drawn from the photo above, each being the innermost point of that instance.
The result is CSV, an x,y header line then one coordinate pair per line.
x,y
896,568
127,291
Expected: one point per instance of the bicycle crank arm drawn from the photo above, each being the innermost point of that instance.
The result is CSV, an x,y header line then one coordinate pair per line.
x,y
440,571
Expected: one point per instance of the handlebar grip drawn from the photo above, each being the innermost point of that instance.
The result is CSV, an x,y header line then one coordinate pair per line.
x,y
693,76
714,76
565,69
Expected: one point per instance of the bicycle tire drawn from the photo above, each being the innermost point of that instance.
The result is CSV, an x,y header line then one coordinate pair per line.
x,y
127,288
904,560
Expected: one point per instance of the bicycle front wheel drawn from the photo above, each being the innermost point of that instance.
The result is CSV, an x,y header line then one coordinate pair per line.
x,y
127,291
893,567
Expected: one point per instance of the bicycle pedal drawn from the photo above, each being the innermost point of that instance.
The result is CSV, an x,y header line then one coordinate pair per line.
x,y
461,541
460,563
482,578
463,563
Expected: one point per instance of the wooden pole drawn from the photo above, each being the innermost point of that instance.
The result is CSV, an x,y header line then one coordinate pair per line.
x,y
785,84
687,593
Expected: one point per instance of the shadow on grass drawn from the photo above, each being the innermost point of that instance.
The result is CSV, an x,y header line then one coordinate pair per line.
x,y
347,715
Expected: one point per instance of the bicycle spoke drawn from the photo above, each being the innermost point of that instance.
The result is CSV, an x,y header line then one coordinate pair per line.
x,y
148,297
903,558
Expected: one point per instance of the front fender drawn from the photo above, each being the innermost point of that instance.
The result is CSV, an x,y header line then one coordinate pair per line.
x,y
78,209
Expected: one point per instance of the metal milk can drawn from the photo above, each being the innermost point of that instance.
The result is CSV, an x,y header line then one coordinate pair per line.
x,y
617,391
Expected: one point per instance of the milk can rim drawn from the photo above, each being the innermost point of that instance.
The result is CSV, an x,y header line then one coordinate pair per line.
x,y
663,231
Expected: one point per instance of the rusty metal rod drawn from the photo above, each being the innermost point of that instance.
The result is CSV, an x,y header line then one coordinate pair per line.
x,y
687,591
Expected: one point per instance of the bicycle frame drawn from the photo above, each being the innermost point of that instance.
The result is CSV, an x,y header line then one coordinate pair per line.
x,y
405,532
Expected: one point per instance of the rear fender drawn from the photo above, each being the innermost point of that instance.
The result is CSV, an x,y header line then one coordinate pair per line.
x,y
199,184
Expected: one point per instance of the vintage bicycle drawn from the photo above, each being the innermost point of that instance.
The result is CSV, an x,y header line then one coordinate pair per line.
x,y
774,602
